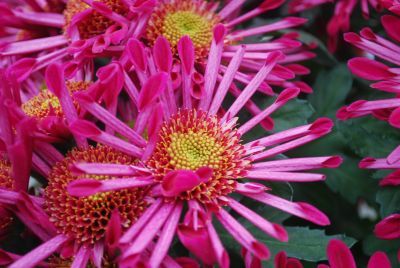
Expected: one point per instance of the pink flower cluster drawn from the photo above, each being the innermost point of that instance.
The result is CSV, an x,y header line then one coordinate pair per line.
x,y
132,116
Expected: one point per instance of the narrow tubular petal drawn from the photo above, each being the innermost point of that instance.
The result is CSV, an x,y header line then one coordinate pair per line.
x,y
186,54
41,18
394,156
284,176
149,231
339,255
286,146
281,100
320,126
251,88
86,187
166,236
298,209
81,258
55,81
226,81
110,120
107,169
280,25
297,164
40,253
141,222
373,163
219,250
242,235
231,7
89,130
213,62
272,229
34,45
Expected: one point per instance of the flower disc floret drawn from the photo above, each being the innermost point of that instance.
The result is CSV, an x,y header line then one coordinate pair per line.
x,y
6,182
95,23
85,219
46,103
192,139
180,18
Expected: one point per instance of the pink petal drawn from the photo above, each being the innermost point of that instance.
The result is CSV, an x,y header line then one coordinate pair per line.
x,y
137,54
23,68
379,260
339,255
391,25
162,54
154,86
369,69
186,53
114,230
40,253
388,228
179,181
198,242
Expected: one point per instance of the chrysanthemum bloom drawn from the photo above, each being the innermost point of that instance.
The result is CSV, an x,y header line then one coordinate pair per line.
x,y
51,30
386,77
76,231
15,160
212,28
339,256
194,155
340,21
6,181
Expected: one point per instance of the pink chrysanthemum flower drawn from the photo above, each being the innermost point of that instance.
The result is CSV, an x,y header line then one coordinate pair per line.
x,y
385,76
75,29
77,231
387,80
211,28
32,97
340,21
339,256
193,154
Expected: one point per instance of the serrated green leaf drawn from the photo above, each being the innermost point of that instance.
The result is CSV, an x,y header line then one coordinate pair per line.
x,y
367,137
389,199
330,90
350,181
304,243
293,114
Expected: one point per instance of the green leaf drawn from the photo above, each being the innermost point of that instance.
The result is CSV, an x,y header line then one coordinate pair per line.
x,y
372,244
350,181
389,199
367,137
330,90
304,243
293,114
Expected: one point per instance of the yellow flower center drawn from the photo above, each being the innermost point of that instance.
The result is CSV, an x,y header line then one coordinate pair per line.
x,y
193,150
45,103
192,139
182,23
180,18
